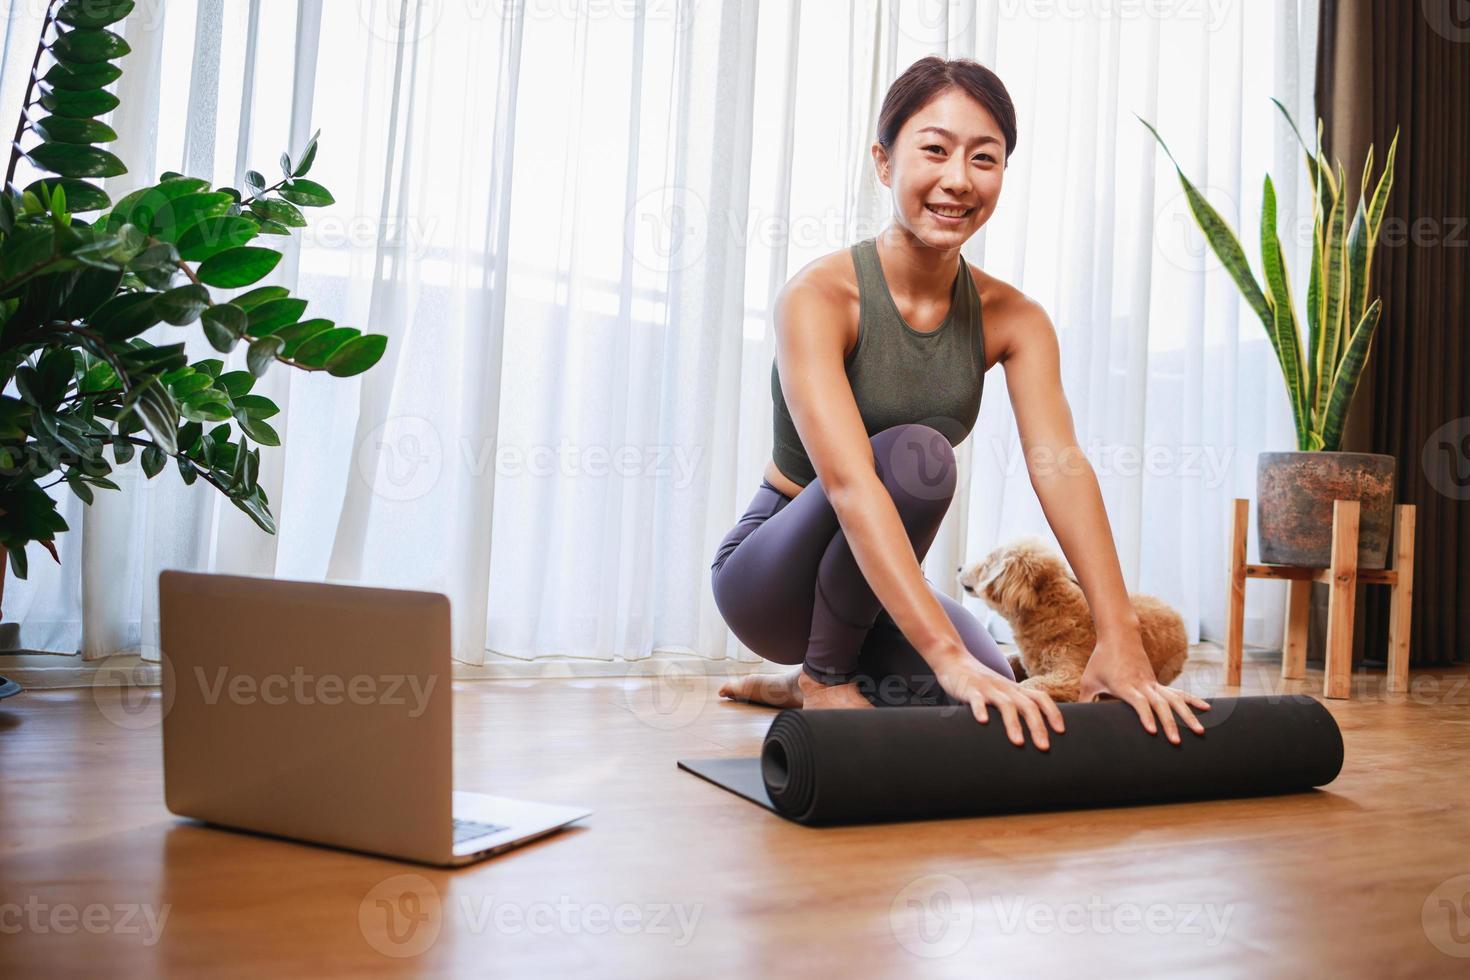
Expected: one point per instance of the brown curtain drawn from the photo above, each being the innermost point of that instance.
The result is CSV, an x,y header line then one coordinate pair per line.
x,y
1381,64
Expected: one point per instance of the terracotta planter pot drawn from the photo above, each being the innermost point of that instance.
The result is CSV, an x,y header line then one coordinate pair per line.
x,y
1294,495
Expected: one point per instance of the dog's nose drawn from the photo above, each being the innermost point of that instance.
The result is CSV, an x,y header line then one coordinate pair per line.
x,y
960,568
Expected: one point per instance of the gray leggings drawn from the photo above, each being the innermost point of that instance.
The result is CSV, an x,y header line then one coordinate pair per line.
x,y
787,585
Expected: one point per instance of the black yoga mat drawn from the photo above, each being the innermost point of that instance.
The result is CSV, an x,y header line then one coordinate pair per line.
x,y
867,766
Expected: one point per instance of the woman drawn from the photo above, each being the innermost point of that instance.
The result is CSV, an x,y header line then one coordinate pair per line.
x,y
880,358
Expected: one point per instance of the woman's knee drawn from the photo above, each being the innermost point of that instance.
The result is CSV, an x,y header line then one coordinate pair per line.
x,y
917,462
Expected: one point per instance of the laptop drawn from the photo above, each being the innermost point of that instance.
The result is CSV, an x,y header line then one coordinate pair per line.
x,y
321,713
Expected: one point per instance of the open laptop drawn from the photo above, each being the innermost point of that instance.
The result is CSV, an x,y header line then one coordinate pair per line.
x,y
322,713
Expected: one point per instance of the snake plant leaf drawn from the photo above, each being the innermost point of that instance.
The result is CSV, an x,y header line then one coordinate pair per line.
x,y
1222,240
1345,383
1284,337
1379,204
1334,290
1358,250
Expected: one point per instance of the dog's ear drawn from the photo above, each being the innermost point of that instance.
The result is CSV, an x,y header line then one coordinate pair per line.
x,y
989,574
1016,588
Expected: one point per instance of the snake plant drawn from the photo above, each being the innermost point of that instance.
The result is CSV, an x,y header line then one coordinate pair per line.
x,y
1320,380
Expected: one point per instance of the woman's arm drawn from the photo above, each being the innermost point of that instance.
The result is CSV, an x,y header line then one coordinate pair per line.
x,y
810,337
1072,501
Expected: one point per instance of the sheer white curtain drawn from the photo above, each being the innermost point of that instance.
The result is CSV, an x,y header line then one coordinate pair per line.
x,y
570,220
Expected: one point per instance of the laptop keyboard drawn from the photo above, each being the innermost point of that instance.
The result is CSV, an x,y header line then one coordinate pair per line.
x,y
467,829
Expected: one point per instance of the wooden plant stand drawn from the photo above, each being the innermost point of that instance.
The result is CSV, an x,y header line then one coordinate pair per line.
x,y
1343,576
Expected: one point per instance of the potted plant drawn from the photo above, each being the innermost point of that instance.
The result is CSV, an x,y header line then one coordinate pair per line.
x,y
76,295
1295,490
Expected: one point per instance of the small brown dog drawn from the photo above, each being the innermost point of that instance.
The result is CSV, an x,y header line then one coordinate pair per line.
x,y
1031,586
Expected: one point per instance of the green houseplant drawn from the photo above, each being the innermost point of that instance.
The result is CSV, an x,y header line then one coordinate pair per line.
x,y
75,296
1295,490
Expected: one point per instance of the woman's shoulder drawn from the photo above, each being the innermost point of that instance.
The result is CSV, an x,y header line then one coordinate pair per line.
x,y
828,281
1008,313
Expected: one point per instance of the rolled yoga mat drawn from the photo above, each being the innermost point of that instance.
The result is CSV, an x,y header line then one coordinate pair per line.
x,y
868,766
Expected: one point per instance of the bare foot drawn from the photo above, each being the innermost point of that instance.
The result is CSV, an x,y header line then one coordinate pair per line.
x,y
778,691
816,695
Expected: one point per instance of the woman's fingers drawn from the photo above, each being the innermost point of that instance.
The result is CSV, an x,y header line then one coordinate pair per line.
x,y
1165,712
977,708
1012,720
1145,710
1048,708
1035,722
1194,699
1180,701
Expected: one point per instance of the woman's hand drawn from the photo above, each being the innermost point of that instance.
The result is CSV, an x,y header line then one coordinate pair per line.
x,y
1121,669
970,682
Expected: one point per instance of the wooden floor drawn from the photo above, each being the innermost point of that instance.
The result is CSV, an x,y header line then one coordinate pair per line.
x,y
672,876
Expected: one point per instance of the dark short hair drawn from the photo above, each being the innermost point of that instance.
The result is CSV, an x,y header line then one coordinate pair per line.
x,y
929,77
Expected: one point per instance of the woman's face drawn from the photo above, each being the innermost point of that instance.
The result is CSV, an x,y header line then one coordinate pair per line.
x,y
949,155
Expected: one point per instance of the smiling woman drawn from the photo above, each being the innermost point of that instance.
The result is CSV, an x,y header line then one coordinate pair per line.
x,y
881,357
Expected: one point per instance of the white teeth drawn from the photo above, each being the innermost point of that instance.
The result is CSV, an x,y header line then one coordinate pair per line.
x,y
948,212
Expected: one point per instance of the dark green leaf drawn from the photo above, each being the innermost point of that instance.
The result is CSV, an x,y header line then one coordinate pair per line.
x,y
153,460
238,267
81,78
93,13
255,406
176,217
315,351
236,384
223,325
357,355
307,194
126,315
267,317
183,305
261,353
88,46
259,295
282,212
70,160
65,129
260,431
213,235
297,333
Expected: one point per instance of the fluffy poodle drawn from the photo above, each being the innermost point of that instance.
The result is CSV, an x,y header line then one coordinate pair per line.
x,y
1031,586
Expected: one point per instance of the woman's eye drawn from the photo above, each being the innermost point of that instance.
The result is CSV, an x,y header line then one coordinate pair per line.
x,y
941,150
